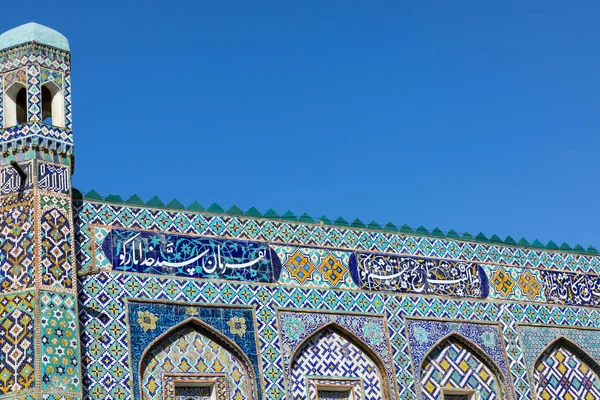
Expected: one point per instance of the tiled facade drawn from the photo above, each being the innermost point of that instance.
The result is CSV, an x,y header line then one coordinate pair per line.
x,y
104,300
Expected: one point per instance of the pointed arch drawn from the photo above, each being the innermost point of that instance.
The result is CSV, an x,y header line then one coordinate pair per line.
x,y
474,350
15,105
563,362
212,334
53,104
352,339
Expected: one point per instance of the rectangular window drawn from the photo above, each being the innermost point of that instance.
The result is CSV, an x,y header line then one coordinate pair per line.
x,y
194,392
333,394
457,394
456,397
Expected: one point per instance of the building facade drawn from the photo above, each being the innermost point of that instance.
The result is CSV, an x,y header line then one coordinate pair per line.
x,y
102,298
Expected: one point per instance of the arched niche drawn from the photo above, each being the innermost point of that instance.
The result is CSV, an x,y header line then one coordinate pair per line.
x,y
563,370
193,350
15,105
334,357
53,105
456,365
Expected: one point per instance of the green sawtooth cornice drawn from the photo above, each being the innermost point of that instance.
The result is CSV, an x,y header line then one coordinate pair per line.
x,y
288,216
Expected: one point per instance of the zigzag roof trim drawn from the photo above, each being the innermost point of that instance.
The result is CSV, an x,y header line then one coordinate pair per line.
x,y
253,212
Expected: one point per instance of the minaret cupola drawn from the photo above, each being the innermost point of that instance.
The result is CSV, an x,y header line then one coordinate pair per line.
x,y
35,91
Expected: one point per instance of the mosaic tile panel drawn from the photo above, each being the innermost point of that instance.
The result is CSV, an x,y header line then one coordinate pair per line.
x,y
105,332
314,267
483,340
189,256
56,249
535,339
391,273
232,327
318,235
12,182
571,288
189,351
15,76
33,65
17,355
59,357
51,75
370,332
34,95
560,374
56,396
16,248
34,134
515,283
452,365
54,178
329,354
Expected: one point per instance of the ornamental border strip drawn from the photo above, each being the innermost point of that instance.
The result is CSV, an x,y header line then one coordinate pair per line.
x,y
405,244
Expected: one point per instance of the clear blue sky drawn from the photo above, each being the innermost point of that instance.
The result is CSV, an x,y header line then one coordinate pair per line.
x,y
466,115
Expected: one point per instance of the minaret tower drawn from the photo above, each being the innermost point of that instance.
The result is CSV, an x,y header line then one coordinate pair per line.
x,y
39,329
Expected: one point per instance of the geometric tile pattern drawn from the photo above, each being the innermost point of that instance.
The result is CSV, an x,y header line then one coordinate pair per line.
x,y
515,283
17,365
105,339
530,284
16,249
536,339
314,267
51,75
318,267
561,374
38,63
329,354
317,235
189,351
452,365
56,248
54,178
503,281
59,357
388,333
231,328
483,341
12,182
15,76
366,332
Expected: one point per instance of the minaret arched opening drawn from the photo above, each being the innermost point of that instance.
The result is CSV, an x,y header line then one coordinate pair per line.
x,y
53,105
15,105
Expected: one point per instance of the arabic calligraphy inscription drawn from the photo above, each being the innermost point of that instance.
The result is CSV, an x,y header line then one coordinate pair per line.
x,y
193,257
418,275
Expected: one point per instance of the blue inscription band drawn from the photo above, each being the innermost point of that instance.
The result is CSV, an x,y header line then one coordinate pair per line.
x,y
571,288
192,257
418,275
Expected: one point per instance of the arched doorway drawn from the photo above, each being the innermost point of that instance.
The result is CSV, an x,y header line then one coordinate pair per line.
x,y
333,363
564,371
192,361
457,369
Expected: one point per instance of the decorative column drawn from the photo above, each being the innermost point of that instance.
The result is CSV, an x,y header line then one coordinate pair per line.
x,y
39,325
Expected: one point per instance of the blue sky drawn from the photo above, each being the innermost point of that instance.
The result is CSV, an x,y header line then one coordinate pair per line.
x,y
466,115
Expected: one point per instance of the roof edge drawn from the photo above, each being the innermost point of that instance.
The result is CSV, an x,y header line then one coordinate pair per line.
x,y
288,216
